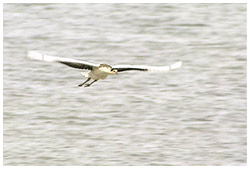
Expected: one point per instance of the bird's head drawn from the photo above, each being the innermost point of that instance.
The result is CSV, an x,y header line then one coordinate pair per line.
x,y
108,69
114,71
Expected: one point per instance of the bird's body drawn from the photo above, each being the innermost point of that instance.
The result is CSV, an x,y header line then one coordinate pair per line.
x,y
99,71
97,74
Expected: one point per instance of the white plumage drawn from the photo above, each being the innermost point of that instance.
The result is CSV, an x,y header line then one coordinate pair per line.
x,y
99,71
150,68
48,58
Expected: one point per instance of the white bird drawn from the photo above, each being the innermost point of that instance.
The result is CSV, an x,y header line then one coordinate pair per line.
x,y
99,71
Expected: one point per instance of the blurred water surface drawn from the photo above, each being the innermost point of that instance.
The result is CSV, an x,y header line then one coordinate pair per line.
x,y
192,116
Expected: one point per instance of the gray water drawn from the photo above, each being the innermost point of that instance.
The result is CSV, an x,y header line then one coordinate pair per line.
x,y
196,115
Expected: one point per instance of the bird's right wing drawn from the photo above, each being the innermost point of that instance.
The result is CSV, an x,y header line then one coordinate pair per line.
x,y
79,64
121,68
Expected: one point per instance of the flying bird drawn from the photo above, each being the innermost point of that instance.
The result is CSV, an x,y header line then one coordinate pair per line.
x,y
99,71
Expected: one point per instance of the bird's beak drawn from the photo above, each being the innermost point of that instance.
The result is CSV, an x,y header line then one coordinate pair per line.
x,y
115,72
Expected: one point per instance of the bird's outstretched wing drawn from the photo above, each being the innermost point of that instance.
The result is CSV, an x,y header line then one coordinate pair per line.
x,y
79,64
121,68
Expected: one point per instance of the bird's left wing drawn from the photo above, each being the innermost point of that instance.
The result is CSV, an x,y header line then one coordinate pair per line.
x,y
79,64
121,68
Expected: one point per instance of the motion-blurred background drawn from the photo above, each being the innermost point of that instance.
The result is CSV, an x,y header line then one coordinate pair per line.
x,y
192,116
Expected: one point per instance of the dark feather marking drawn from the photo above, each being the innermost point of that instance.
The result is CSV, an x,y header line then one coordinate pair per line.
x,y
77,65
129,69
105,65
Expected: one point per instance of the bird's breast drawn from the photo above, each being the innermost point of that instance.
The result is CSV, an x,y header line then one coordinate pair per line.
x,y
96,74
